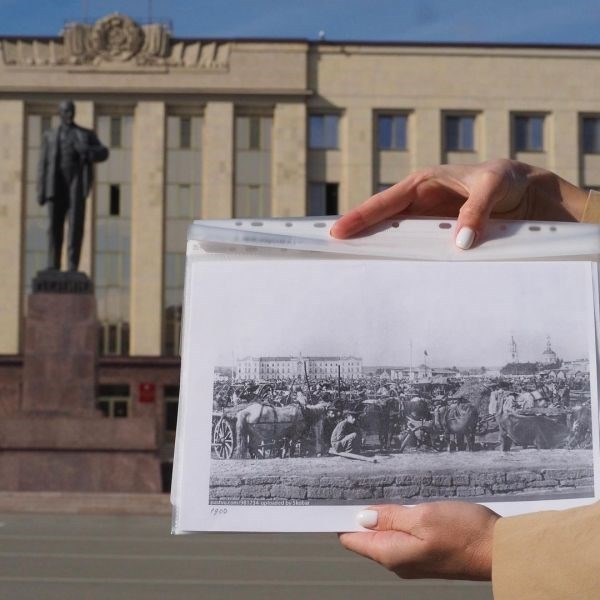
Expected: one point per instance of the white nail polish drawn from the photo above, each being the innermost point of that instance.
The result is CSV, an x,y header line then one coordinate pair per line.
x,y
367,518
465,238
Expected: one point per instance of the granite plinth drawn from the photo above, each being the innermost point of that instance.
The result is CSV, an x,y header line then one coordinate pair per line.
x,y
57,440
44,452
79,471
58,432
60,353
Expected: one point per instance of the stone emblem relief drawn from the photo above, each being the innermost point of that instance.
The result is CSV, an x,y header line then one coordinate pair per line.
x,y
116,38
113,40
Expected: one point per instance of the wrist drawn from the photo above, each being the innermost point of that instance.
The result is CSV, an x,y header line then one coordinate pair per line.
x,y
481,567
591,211
558,199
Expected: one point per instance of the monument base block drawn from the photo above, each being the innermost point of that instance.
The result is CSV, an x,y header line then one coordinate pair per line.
x,y
61,345
68,471
58,440
41,452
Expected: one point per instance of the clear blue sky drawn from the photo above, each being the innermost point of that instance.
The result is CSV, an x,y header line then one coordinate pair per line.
x,y
524,21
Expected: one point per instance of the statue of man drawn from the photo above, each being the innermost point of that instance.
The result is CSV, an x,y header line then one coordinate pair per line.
x,y
65,174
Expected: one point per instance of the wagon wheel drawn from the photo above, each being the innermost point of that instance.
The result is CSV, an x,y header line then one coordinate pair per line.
x,y
222,439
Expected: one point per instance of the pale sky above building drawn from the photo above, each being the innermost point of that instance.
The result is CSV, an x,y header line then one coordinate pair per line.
x,y
461,314
507,21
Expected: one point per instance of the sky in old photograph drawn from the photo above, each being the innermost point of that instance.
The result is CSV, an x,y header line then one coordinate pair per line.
x,y
461,314
510,21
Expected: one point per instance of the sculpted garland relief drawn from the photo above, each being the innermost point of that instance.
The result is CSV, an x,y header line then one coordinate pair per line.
x,y
116,39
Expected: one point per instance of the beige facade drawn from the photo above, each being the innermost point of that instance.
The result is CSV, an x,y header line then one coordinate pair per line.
x,y
269,368
325,108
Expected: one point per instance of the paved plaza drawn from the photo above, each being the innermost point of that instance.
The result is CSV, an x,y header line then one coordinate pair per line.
x,y
75,556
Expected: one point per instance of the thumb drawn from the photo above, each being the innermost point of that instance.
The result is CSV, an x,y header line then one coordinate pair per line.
x,y
387,517
473,217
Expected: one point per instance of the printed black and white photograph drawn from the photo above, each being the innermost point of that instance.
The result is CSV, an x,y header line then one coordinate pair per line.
x,y
426,431
346,384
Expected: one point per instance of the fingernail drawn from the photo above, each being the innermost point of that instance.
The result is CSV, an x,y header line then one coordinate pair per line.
x,y
367,518
465,238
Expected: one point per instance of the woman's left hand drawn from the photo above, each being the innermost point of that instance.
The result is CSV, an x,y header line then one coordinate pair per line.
x,y
448,540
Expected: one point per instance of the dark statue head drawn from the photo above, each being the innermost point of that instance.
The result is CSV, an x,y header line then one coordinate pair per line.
x,y
66,110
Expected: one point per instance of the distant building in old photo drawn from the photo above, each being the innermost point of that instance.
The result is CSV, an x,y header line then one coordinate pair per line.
x,y
221,128
291,367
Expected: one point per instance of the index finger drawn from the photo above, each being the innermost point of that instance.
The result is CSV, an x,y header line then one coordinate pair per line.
x,y
377,208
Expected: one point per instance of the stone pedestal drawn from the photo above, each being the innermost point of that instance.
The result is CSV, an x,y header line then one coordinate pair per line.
x,y
61,345
58,441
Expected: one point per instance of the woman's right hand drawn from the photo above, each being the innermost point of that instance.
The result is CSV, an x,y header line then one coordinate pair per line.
x,y
501,188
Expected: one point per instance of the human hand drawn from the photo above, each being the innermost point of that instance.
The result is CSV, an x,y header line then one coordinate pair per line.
x,y
501,188
446,540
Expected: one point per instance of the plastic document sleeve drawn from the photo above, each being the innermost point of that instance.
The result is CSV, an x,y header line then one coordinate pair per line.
x,y
320,376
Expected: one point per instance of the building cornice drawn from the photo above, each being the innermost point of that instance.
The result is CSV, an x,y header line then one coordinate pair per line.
x,y
115,39
139,362
339,42
98,94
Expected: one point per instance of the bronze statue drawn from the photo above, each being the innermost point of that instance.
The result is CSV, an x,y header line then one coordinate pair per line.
x,y
65,175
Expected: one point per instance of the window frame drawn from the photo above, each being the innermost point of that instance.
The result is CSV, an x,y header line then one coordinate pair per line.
x,y
325,143
393,116
116,131
111,399
323,186
528,148
458,116
589,117
185,132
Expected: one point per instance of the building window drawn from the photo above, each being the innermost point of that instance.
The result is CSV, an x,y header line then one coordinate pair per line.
x,y
460,133
391,132
115,132
115,199
323,132
182,206
185,132
323,199
591,135
253,132
529,133
252,172
171,406
46,125
114,401
112,239
114,338
252,201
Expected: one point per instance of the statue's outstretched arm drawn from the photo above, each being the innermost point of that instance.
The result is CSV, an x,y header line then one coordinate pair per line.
x,y
97,152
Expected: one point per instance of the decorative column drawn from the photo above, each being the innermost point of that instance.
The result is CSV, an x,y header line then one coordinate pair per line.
x,y
288,160
426,148
496,136
217,161
147,228
12,133
563,145
357,182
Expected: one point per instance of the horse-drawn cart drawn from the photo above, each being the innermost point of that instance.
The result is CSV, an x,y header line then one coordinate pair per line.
x,y
223,433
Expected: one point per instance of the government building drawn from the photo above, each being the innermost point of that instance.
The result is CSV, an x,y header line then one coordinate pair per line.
x,y
297,367
233,128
